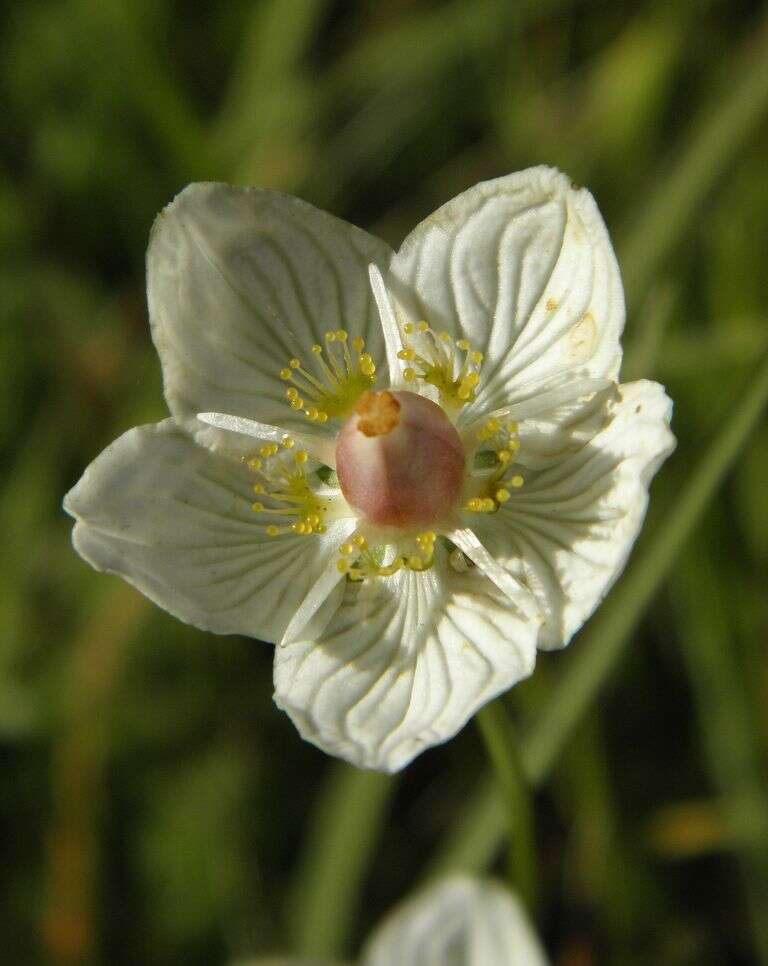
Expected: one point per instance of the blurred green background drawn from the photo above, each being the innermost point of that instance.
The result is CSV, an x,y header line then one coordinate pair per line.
x,y
156,807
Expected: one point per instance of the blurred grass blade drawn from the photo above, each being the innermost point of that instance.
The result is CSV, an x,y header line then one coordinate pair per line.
x,y
601,644
643,351
728,729
717,137
501,743
343,835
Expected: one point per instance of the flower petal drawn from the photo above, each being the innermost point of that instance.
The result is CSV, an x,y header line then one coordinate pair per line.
x,y
175,520
568,531
458,922
522,267
403,663
239,281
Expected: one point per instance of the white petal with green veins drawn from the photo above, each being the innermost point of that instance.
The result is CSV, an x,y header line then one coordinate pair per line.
x,y
403,663
567,533
175,520
240,280
524,269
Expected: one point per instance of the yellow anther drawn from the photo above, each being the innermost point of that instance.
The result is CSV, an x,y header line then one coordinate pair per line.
x,y
258,489
257,507
288,442
463,392
341,335
295,363
301,457
297,402
406,354
360,541
272,530
502,495
422,327
512,426
292,393
330,336
504,456
488,505
265,451
476,357
312,413
408,328
358,344
322,417
517,482
463,345
471,379
492,425
254,464
346,549
367,365
317,349
342,566
415,562
286,374
445,336
409,374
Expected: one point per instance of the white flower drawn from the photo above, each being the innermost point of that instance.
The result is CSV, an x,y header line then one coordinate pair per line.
x,y
457,922
493,473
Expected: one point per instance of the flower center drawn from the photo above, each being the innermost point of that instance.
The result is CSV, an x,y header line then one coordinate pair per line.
x,y
400,461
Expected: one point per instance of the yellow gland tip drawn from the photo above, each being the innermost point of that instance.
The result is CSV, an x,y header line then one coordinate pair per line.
x,y
433,361
367,563
284,482
330,386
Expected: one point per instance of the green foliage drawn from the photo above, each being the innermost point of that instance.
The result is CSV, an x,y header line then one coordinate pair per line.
x,y
156,807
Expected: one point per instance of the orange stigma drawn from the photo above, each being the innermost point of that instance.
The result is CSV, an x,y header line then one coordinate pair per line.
x,y
378,413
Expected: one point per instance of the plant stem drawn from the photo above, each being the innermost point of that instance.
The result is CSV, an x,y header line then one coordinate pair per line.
x,y
343,833
503,750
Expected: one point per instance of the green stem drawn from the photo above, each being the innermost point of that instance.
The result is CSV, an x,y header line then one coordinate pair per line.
x,y
343,834
602,643
502,746
730,744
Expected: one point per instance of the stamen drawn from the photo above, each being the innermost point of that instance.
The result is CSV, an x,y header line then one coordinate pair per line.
x,y
469,544
340,376
389,327
432,360
320,448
